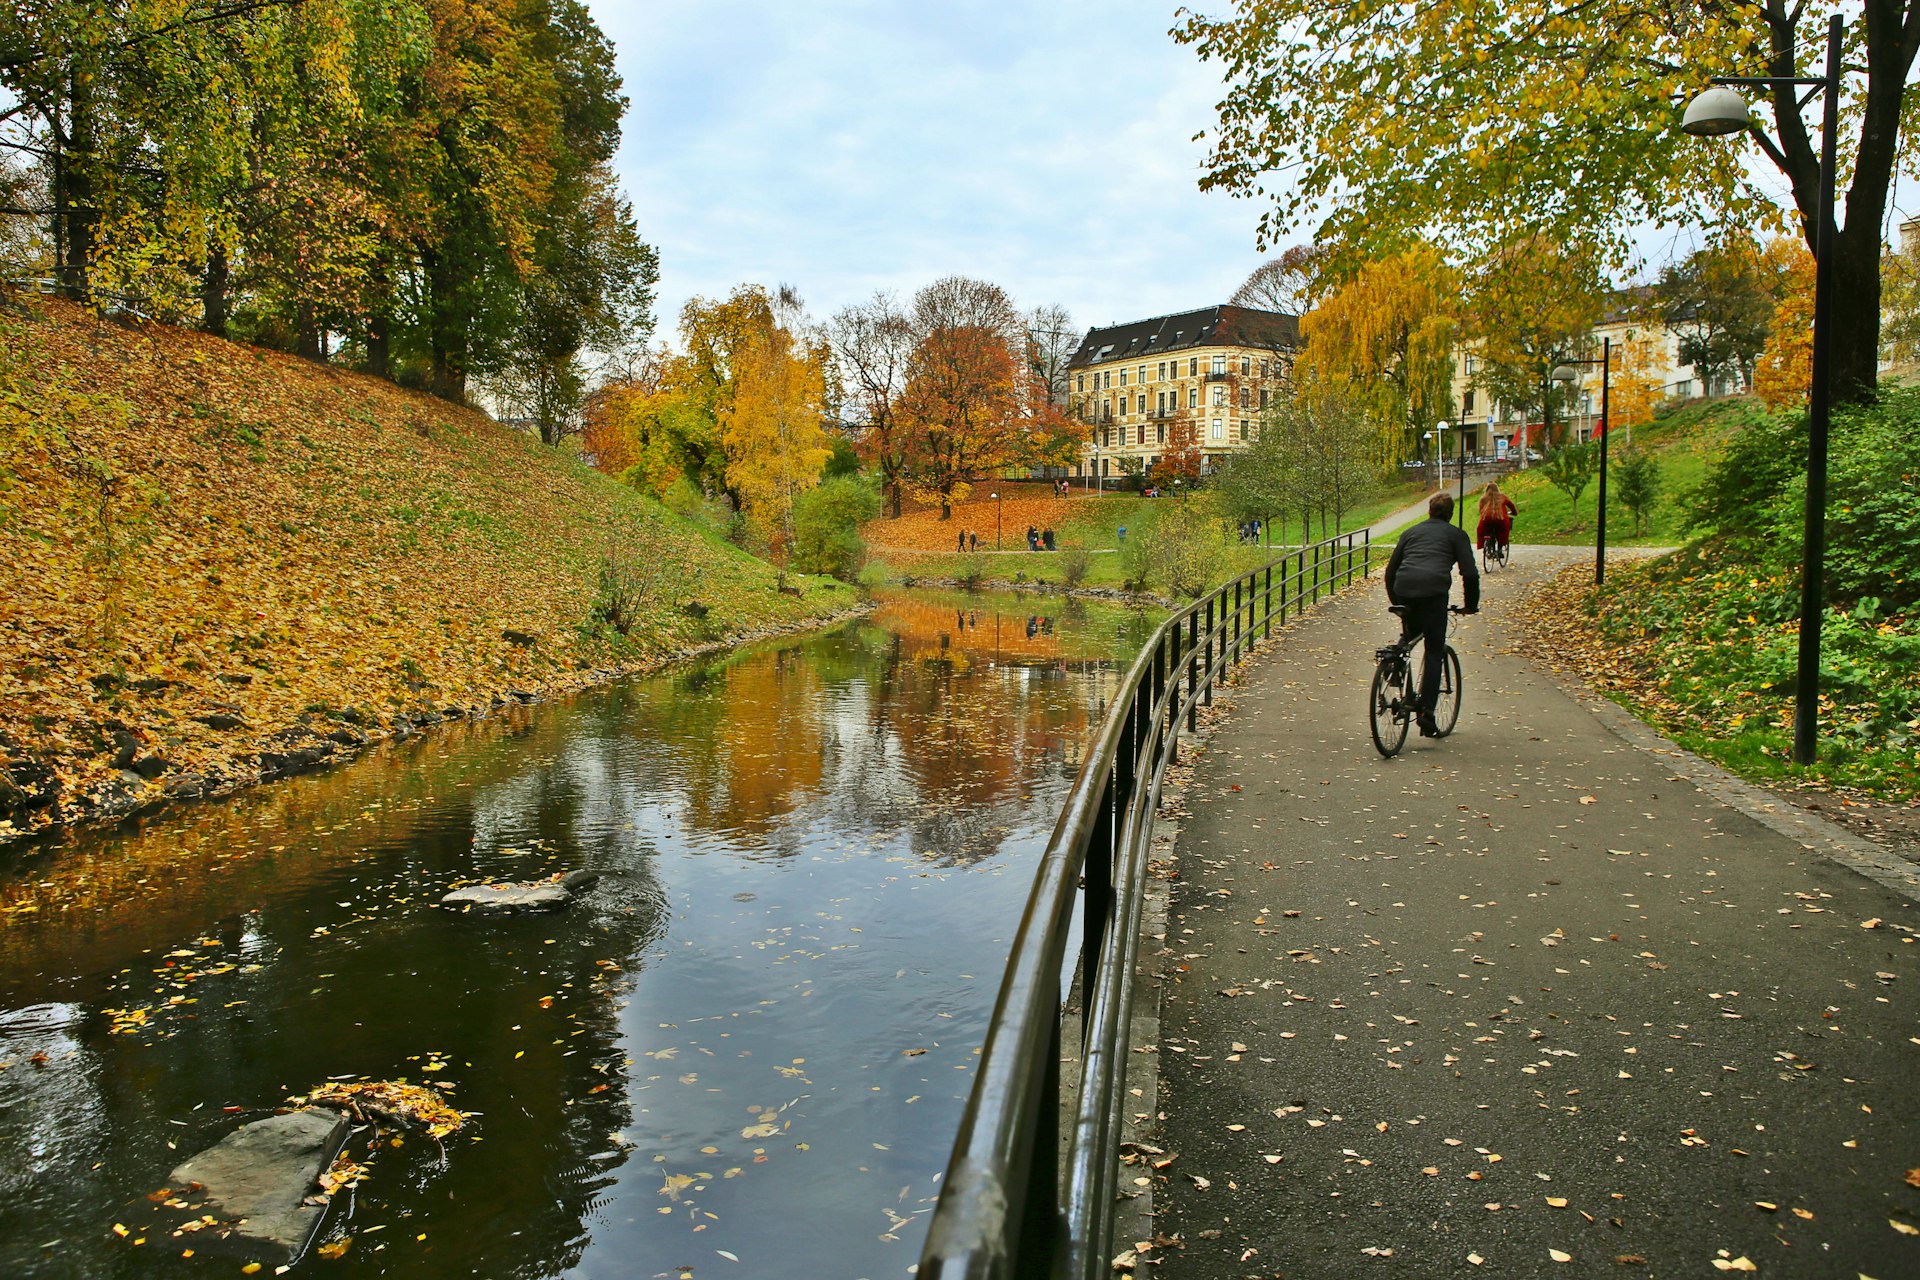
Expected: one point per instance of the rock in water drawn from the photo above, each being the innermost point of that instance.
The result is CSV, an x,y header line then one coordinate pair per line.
x,y
508,898
258,1178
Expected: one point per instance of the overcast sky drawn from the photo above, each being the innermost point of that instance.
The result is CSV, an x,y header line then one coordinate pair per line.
x,y
843,146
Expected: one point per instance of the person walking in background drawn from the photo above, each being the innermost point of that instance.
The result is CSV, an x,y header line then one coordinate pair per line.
x,y
963,540
1046,538
973,540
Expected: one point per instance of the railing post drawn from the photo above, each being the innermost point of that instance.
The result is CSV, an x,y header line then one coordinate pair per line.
x,y
1206,673
1193,671
1266,605
1173,691
1234,640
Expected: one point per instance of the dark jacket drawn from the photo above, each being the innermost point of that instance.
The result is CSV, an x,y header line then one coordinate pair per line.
x,y
1421,566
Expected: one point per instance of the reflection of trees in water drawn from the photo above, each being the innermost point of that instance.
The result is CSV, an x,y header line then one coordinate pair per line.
x,y
316,891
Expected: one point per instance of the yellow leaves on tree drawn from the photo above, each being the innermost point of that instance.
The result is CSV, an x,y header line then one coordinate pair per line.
x,y
1636,384
772,431
1387,334
1784,373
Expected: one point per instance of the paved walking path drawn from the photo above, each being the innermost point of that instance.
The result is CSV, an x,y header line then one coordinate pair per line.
x,y
1517,1003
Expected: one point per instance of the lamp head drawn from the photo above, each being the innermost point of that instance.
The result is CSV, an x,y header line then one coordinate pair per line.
x,y
1566,373
1440,425
1716,112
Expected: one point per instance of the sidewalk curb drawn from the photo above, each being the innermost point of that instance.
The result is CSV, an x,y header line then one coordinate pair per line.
x,y
1815,834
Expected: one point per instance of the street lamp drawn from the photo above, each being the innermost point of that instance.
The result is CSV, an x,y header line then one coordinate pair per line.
x,y
1716,112
996,519
1440,453
1567,375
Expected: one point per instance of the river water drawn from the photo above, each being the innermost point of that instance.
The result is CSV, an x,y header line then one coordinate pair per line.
x,y
743,1053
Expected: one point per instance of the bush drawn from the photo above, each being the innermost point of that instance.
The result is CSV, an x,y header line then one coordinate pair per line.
x,y
1176,555
1753,500
826,526
1076,561
1638,478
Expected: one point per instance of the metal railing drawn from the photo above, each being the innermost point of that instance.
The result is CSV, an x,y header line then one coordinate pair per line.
x,y
1016,1199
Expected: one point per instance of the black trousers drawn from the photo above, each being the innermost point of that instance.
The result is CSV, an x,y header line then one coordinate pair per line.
x,y
1426,617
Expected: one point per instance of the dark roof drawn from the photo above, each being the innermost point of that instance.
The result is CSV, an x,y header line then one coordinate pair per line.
x,y
1209,327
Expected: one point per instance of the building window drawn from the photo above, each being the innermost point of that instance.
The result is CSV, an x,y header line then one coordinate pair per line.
x,y
1219,364
1143,405
1161,433
1246,365
1123,377
1193,367
1143,375
1219,397
1081,383
1263,397
1106,411
1246,398
1143,434
1469,365
1219,431
1263,368
1466,401
1106,437
1243,430
1193,397
1160,371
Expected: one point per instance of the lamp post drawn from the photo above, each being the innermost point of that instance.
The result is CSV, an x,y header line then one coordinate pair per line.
x,y
996,519
1566,374
1440,453
1719,111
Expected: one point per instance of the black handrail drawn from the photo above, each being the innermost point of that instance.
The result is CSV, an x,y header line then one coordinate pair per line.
x,y
1016,1200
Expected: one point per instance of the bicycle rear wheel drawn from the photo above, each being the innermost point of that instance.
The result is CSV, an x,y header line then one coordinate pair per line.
x,y
1390,705
1446,704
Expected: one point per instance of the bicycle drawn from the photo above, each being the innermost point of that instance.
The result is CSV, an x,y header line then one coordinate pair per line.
x,y
1494,553
1394,696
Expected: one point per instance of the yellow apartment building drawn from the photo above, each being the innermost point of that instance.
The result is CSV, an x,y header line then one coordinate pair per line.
x,y
1151,386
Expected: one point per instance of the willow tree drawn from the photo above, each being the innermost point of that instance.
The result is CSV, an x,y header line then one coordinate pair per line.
x,y
1483,121
1386,336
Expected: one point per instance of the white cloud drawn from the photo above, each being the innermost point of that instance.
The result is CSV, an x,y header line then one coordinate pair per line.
x,y
850,145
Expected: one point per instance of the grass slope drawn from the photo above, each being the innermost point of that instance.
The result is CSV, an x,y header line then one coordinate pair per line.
x,y
193,530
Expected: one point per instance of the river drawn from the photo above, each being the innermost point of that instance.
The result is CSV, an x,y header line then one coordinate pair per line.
x,y
743,1053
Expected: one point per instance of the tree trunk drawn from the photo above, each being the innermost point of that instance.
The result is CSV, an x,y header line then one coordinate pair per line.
x,y
79,190
213,291
379,347
1854,312
447,333
306,334
895,487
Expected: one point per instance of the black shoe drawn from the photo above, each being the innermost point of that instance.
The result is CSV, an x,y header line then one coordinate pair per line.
x,y
1429,727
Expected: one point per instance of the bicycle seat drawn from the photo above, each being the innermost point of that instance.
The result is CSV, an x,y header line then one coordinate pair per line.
x,y
1397,610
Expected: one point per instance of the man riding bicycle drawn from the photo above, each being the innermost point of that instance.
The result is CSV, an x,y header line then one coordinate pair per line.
x,y
1419,576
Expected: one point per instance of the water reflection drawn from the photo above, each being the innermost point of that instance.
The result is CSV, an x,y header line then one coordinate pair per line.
x,y
751,1039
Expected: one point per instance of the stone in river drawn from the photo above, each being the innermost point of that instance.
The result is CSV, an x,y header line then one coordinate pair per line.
x,y
537,895
259,1177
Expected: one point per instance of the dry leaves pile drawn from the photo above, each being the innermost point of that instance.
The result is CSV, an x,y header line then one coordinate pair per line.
x,y
1022,505
210,552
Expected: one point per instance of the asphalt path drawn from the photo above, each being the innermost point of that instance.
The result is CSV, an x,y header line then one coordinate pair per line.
x,y
1516,1003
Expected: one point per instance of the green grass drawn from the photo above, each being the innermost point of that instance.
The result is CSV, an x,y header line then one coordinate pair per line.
x,y
1684,441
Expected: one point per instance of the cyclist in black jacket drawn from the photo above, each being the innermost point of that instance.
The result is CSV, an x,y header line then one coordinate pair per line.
x,y
1419,576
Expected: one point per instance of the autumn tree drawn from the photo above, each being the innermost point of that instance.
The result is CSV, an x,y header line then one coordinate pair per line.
x,y
1051,342
772,429
1784,373
1533,303
1901,274
1387,335
1182,458
1289,284
968,396
1483,124
872,344
1719,301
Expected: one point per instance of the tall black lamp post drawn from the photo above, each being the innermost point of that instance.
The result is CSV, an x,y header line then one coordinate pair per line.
x,y
1566,374
1713,113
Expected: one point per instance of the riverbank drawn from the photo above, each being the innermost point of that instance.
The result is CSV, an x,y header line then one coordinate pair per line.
x,y
220,565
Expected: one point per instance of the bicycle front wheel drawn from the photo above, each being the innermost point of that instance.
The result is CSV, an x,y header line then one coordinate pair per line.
x,y
1389,706
1446,704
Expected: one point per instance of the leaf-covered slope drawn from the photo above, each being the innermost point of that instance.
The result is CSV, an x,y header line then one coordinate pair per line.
x,y
192,528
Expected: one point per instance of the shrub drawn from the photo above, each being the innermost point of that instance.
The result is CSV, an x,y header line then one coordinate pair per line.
x,y
1076,561
1638,478
826,526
